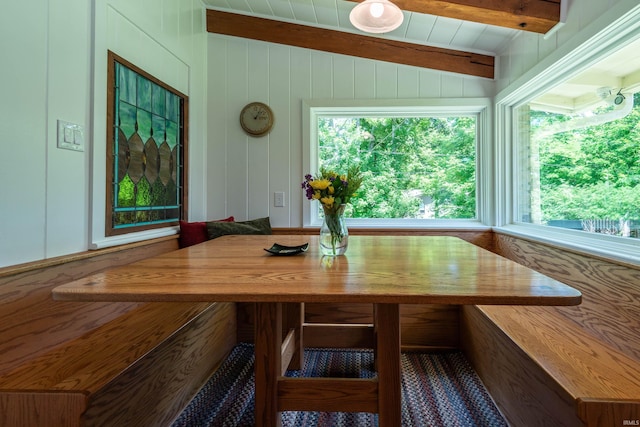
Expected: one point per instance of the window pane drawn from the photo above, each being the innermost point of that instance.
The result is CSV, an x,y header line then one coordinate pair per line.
x,y
146,142
583,169
413,167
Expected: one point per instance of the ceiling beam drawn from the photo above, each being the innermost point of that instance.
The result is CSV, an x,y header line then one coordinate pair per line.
x,y
268,30
537,16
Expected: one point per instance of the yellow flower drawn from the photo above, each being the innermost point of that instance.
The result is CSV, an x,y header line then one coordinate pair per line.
x,y
320,184
327,201
316,195
331,189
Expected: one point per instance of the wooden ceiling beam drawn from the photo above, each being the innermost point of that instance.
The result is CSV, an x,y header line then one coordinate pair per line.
x,y
268,30
537,16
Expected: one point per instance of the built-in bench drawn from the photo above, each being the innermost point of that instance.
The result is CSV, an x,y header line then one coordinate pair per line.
x,y
97,364
71,363
562,366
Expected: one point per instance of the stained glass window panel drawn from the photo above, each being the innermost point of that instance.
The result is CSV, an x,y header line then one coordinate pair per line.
x,y
159,96
147,145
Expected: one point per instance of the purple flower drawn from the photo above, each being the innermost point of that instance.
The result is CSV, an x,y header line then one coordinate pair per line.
x,y
309,193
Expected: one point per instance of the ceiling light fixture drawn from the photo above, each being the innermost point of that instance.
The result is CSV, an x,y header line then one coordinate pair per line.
x,y
376,16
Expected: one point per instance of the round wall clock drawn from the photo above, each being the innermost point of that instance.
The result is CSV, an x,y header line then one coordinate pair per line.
x,y
256,118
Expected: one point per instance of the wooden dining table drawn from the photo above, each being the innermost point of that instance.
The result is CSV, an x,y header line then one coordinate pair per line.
x,y
382,270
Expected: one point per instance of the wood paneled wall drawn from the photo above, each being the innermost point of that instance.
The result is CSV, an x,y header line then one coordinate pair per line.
x,y
609,289
481,238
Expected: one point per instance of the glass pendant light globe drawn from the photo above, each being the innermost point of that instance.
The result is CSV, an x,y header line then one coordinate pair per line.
x,y
376,16
376,9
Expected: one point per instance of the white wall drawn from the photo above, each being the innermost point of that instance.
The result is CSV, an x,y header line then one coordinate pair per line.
x,y
49,196
244,172
46,74
44,77
584,19
168,40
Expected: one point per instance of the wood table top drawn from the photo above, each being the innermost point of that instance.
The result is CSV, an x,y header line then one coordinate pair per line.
x,y
375,269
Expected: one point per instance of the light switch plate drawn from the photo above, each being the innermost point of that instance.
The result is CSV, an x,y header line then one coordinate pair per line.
x,y
278,199
70,136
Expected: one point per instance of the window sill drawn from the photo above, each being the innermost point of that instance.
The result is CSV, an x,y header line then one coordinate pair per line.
x,y
124,239
610,248
421,224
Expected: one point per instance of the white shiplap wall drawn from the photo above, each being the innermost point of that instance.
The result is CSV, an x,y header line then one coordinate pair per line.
x,y
168,40
44,77
54,67
46,201
528,51
244,172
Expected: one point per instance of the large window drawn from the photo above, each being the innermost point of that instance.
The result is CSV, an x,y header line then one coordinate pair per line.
x,y
583,168
419,163
568,146
413,167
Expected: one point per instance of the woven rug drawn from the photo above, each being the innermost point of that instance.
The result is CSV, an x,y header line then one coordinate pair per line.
x,y
438,390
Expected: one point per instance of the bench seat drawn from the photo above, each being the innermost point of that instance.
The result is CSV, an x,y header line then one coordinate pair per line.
x,y
114,371
66,364
75,366
560,373
561,366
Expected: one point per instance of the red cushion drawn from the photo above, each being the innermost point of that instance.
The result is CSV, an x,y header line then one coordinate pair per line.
x,y
192,233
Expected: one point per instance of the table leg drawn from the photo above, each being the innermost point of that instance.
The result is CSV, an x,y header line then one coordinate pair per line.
x,y
268,345
375,338
387,321
293,316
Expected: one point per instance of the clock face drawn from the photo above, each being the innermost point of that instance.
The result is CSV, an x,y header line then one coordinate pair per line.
x,y
256,119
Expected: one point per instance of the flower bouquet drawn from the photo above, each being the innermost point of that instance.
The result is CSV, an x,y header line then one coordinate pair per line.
x,y
334,191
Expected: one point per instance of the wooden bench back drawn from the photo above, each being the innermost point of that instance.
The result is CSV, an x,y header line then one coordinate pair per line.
x,y
570,366
611,292
31,323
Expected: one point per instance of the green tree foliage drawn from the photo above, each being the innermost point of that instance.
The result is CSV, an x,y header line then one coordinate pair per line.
x,y
591,172
405,160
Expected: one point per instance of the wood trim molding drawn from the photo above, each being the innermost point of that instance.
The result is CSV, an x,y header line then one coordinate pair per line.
x,y
233,24
168,242
538,16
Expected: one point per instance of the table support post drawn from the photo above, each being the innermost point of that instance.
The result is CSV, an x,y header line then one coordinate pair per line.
x,y
268,342
387,321
293,316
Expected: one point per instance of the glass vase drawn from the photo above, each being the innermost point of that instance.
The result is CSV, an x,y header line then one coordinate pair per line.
x,y
334,236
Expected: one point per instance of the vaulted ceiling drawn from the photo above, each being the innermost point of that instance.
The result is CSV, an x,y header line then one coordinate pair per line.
x,y
461,36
